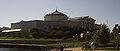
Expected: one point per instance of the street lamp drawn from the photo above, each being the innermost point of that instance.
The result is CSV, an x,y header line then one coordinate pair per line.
x,y
87,35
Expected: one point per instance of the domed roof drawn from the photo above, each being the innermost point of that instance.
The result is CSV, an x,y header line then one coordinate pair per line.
x,y
56,13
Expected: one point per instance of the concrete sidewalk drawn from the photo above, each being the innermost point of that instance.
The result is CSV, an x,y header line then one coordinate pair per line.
x,y
74,49
78,49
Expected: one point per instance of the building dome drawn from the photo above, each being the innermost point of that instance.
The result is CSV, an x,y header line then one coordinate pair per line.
x,y
55,16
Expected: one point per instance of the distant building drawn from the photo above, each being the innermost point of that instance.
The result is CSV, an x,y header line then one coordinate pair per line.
x,y
56,19
4,28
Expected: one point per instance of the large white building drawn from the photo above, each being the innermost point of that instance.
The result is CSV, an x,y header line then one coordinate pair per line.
x,y
56,19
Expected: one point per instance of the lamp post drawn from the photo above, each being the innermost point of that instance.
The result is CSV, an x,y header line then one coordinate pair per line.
x,y
87,38
88,34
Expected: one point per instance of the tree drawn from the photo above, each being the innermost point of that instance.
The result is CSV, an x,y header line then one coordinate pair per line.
x,y
102,35
116,32
88,37
116,29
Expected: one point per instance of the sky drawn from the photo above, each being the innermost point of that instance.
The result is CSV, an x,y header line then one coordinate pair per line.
x,y
103,11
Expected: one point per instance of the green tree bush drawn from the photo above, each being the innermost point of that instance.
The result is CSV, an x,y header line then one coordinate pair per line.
x,y
102,35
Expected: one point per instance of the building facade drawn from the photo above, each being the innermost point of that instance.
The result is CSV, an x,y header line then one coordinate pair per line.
x,y
56,19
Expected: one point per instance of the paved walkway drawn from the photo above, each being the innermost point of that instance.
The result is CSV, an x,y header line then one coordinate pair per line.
x,y
74,49
78,49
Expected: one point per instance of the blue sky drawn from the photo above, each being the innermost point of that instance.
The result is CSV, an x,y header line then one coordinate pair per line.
x,y
104,11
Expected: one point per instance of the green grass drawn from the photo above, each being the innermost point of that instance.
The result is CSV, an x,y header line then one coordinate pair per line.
x,y
74,44
106,48
71,44
17,38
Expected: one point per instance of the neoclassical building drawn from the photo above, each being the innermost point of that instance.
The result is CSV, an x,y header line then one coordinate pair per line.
x,y
54,20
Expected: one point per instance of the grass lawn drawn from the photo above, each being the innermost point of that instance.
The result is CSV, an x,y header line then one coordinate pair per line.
x,y
68,44
106,48
27,39
74,44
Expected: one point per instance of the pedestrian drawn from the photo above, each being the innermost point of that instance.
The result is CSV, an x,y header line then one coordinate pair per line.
x,y
57,46
85,46
82,46
61,48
